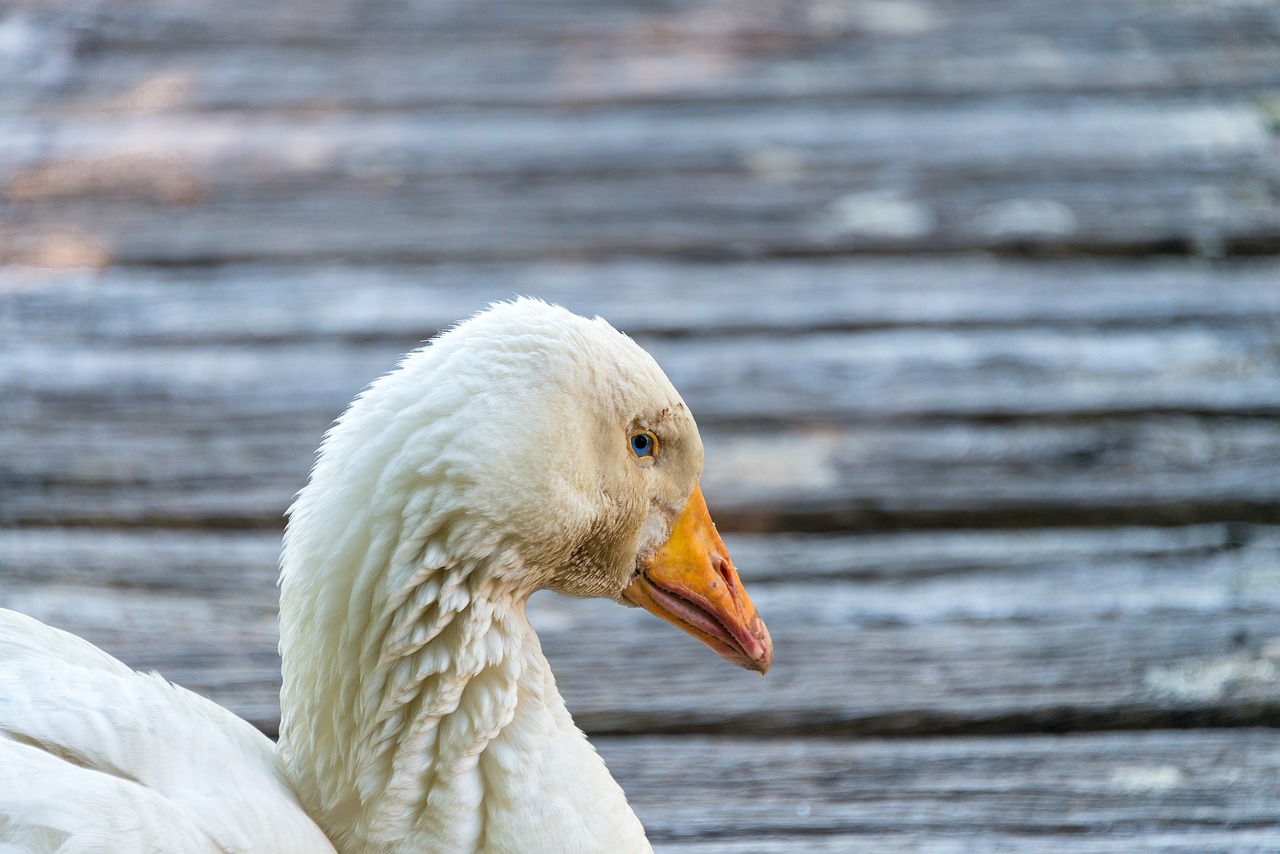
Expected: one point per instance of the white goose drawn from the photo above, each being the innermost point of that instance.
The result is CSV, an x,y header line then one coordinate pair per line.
x,y
527,448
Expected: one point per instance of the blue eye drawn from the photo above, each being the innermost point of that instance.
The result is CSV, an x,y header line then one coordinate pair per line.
x,y
642,444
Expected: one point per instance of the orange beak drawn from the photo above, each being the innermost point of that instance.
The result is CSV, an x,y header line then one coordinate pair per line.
x,y
691,583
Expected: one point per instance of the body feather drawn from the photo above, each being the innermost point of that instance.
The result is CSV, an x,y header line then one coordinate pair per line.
x,y
91,751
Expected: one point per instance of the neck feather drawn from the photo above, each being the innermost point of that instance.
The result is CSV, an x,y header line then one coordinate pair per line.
x,y
448,734
417,710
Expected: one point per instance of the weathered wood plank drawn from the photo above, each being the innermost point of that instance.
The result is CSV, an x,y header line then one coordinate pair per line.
x,y
1137,212
1012,401
237,150
265,304
900,428
1119,629
152,56
1134,471
1144,26
391,76
1116,792
1129,177
110,422
1227,840
837,675
756,378
205,562
177,563
911,557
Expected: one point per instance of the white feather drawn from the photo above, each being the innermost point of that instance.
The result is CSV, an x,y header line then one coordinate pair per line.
x,y
96,757
418,712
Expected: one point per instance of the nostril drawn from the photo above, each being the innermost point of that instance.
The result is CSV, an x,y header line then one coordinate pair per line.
x,y
725,569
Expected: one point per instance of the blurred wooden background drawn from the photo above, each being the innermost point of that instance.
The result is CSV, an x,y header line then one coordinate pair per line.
x,y
978,304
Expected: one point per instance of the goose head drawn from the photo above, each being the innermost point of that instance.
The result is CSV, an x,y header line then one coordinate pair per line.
x,y
542,450
582,455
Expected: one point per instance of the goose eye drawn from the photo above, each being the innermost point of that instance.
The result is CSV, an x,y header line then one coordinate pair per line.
x,y
643,444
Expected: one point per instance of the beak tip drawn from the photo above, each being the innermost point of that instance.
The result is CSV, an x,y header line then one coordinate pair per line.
x,y
761,659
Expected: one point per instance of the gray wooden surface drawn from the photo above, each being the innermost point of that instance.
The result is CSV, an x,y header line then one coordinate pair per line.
x,y
978,305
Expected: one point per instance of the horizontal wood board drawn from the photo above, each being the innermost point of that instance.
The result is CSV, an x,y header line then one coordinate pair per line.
x,y
1135,392
1154,791
405,55
1130,179
908,634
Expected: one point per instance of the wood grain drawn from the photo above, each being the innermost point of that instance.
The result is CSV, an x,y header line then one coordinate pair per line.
x,y
270,304
901,635
1190,178
238,56
1113,792
1137,393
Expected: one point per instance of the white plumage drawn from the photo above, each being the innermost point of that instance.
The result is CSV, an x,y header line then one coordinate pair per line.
x,y
96,757
418,712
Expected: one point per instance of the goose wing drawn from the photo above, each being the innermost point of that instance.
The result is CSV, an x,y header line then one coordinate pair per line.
x,y
95,756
